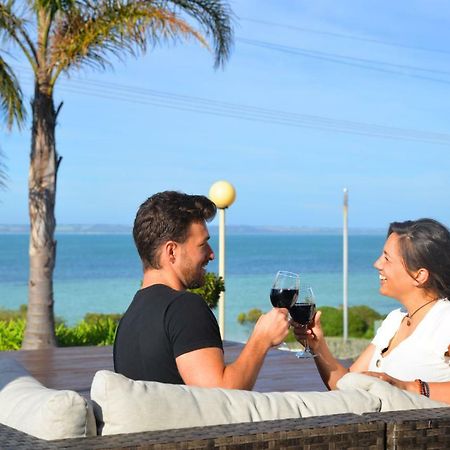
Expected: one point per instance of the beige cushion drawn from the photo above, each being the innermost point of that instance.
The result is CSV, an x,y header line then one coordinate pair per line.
x,y
122,405
391,397
28,406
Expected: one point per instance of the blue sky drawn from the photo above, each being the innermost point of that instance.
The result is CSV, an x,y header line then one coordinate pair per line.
x,y
302,62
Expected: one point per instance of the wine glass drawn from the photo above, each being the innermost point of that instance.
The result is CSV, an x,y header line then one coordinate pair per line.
x,y
303,313
284,292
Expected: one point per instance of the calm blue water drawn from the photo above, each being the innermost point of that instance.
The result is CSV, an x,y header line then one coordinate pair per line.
x,y
100,273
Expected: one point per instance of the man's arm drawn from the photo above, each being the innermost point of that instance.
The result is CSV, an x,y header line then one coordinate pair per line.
x,y
206,367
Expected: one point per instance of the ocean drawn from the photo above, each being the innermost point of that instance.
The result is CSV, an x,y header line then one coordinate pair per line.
x,y
101,272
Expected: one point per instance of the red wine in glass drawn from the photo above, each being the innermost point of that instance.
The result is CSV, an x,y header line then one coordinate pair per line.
x,y
283,298
303,313
284,292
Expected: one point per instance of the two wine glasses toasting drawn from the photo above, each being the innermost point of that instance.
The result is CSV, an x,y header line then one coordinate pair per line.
x,y
287,293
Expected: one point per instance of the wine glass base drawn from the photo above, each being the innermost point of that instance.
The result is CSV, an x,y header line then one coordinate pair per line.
x,y
303,354
283,346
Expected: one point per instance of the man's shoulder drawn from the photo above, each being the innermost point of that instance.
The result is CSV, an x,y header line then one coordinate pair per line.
x,y
166,293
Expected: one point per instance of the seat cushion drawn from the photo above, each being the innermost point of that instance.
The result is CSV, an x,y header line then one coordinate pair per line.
x,y
28,406
122,405
391,397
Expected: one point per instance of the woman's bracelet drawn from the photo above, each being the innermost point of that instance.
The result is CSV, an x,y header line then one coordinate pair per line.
x,y
424,388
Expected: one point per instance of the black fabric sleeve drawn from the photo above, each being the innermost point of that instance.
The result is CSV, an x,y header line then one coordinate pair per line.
x,y
191,325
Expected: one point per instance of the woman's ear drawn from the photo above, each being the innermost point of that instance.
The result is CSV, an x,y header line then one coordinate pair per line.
x,y
422,276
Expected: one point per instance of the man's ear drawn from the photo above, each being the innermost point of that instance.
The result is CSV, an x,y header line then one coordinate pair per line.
x,y
170,251
422,276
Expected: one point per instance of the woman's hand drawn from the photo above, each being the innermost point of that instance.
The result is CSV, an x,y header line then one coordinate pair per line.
x,y
313,332
405,385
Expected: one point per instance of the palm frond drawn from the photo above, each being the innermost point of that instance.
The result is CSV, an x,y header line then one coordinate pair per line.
x,y
11,98
90,34
216,18
13,27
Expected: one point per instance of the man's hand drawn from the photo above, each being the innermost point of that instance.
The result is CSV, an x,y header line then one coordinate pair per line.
x,y
272,327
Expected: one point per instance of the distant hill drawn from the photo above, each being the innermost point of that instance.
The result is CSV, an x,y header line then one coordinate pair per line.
x,y
231,229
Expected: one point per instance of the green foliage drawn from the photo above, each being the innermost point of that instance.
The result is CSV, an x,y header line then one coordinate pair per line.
x,y
360,321
11,333
9,314
95,332
211,290
251,317
94,329
92,318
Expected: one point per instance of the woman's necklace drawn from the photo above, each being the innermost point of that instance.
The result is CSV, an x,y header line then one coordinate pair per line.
x,y
409,317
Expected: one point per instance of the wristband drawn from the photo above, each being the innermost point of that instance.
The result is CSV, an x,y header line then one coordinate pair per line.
x,y
424,388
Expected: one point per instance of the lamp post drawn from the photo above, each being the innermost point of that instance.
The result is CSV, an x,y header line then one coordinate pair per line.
x,y
223,194
345,265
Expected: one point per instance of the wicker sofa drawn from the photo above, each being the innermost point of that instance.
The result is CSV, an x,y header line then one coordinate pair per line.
x,y
414,429
135,414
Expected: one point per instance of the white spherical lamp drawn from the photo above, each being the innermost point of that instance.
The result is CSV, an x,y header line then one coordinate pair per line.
x,y
222,193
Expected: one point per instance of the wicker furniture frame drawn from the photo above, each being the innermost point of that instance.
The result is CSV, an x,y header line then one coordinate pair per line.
x,y
397,430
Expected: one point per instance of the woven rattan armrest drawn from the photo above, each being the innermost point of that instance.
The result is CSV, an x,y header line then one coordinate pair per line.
x,y
396,430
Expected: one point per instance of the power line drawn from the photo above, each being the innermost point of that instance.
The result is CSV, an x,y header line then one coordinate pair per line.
x,y
386,67
137,95
344,36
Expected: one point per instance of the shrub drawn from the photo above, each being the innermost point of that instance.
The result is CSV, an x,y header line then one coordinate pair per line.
x,y
9,314
360,321
92,318
211,290
249,319
11,333
95,332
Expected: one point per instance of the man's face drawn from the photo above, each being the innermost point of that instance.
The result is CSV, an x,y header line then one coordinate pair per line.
x,y
195,255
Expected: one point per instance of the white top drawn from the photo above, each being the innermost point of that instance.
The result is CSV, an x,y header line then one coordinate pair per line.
x,y
420,355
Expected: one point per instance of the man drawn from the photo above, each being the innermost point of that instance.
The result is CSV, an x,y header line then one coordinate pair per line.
x,y
168,334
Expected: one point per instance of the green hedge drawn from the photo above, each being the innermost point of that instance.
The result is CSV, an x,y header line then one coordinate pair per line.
x,y
361,321
94,329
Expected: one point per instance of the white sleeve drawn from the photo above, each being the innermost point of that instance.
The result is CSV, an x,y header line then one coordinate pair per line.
x,y
440,335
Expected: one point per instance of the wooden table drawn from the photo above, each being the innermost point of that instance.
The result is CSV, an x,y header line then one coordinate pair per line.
x,y
74,367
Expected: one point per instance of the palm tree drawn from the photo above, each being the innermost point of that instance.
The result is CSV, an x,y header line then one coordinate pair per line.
x,y
60,36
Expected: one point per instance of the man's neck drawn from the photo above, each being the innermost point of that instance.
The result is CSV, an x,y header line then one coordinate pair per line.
x,y
161,276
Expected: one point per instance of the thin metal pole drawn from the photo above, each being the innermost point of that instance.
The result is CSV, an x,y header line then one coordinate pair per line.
x,y
345,265
222,270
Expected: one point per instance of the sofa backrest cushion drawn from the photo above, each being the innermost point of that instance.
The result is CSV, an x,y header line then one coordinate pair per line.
x,y
122,405
391,397
28,406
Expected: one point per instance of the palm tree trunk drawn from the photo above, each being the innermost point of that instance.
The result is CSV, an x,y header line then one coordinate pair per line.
x,y
40,329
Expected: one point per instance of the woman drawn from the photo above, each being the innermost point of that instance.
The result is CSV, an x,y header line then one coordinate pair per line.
x,y
411,350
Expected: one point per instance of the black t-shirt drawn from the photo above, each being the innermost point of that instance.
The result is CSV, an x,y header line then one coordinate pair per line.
x,y
160,325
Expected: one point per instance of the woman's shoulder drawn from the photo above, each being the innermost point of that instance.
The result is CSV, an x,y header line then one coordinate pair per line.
x,y
395,315
440,310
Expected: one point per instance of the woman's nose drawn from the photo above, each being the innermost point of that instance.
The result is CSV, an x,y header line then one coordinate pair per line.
x,y
377,263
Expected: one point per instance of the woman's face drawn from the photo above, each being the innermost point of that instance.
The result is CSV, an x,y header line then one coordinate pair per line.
x,y
395,281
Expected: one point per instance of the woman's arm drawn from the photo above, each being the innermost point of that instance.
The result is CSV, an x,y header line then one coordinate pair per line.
x,y
439,391
330,369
